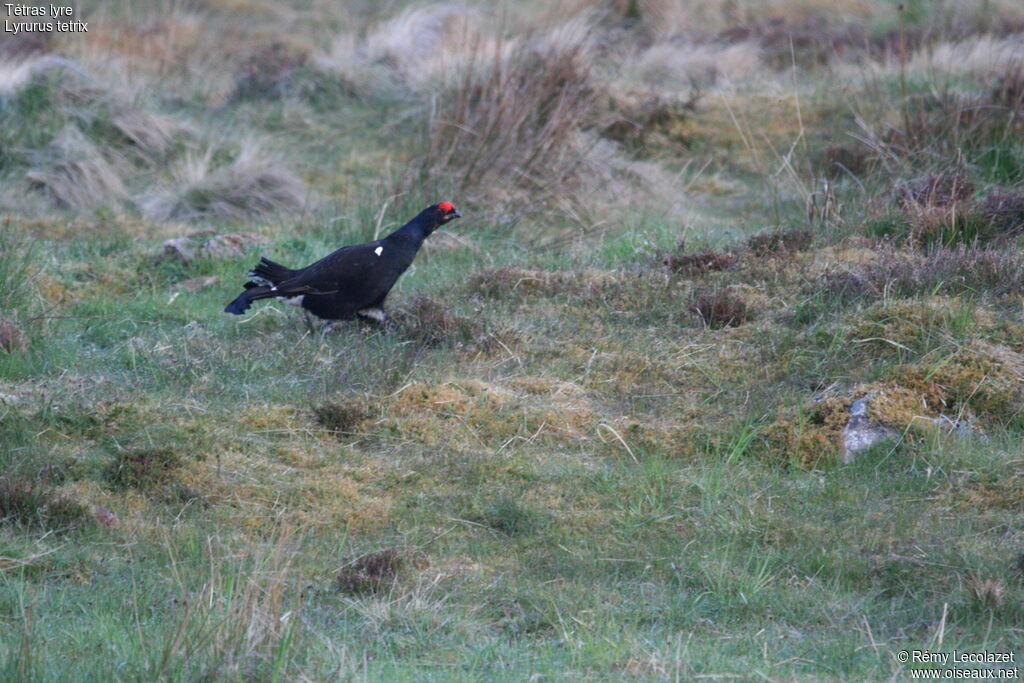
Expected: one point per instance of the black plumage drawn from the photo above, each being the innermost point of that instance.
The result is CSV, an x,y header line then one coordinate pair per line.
x,y
352,281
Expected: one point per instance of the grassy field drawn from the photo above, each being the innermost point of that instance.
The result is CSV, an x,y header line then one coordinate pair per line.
x,y
609,436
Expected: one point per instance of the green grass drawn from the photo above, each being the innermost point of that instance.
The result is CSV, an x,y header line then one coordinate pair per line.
x,y
578,477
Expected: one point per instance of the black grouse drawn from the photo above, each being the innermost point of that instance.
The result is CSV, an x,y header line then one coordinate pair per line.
x,y
353,280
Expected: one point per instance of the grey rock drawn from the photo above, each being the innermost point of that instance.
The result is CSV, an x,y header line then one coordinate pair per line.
x,y
860,433
191,247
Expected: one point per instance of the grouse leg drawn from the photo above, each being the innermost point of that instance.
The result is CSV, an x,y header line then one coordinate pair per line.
x,y
379,316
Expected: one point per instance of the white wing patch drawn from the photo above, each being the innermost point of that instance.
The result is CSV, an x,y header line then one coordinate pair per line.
x,y
378,251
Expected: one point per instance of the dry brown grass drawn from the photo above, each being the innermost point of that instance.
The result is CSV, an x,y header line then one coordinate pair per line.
x,y
937,207
250,186
1003,209
957,271
12,337
270,72
698,263
241,621
940,189
343,417
378,571
144,468
721,308
780,241
433,324
987,593
509,119
680,65
645,121
34,504
76,175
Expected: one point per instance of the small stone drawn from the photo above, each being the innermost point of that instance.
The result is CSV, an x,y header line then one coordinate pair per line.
x,y
860,433
199,283
201,245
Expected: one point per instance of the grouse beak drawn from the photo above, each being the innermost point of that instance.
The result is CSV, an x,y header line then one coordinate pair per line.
x,y
456,214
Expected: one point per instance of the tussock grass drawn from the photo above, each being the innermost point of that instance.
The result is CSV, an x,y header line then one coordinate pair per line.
x,y
35,505
510,118
699,263
272,71
432,323
961,271
680,65
240,618
249,186
721,308
75,173
12,337
553,466
144,468
342,417
378,571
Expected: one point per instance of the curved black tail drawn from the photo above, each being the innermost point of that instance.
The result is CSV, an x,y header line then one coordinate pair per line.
x,y
239,305
271,271
253,292
265,274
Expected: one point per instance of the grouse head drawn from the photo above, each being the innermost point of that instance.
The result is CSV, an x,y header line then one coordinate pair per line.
x,y
437,215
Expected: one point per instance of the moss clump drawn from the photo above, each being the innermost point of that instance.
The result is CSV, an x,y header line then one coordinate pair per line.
x,y
811,433
646,121
814,432
459,413
915,325
901,408
987,379
1005,493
